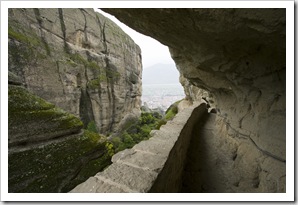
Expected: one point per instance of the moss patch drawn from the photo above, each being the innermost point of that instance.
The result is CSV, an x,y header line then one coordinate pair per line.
x,y
30,117
172,111
34,41
26,47
57,167
79,59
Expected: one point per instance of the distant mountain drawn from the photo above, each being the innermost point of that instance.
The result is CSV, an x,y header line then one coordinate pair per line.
x,y
161,74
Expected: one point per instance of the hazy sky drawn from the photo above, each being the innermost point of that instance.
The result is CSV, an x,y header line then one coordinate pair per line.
x,y
153,52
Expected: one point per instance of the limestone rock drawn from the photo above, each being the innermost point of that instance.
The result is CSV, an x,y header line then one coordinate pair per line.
x,y
32,119
14,79
78,60
48,151
238,57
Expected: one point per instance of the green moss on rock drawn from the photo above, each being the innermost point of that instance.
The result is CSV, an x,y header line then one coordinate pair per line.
x,y
56,167
172,111
21,37
30,118
26,47
79,59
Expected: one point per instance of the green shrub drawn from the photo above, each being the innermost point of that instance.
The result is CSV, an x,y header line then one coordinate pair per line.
x,y
92,127
116,141
93,136
140,130
160,123
157,115
127,140
146,129
110,147
136,132
170,115
172,111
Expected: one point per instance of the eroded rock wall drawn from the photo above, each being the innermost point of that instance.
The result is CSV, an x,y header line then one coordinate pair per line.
x,y
78,60
219,161
238,57
48,150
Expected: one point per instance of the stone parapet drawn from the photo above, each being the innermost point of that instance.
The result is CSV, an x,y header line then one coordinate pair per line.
x,y
154,165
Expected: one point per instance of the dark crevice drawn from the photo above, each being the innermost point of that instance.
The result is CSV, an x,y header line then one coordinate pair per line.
x,y
40,23
104,39
247,113
63,29
99,85
15,83
86,111
16,147
235,156
59,74
85,26
110,82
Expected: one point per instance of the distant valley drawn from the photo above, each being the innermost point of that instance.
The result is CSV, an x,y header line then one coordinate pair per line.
x,y
161,74
161,86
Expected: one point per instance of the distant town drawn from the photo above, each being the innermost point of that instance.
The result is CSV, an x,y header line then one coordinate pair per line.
x,y
161,95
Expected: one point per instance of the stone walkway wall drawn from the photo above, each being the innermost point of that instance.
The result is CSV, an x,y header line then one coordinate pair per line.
x,y
154,165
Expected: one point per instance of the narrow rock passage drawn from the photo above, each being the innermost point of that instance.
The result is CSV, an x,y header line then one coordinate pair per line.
x,y
209,162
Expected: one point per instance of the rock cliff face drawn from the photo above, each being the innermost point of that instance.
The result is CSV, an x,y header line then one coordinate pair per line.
x,y
237,56
48,150
78,60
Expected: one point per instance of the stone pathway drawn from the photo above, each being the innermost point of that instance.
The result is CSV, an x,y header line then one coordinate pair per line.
x,y
209,165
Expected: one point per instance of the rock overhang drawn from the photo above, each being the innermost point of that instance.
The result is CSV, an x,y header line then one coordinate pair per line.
x,y
237,55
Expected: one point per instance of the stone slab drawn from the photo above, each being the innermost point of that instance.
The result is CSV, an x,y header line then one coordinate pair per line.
x,y
95,185
144,160
136,179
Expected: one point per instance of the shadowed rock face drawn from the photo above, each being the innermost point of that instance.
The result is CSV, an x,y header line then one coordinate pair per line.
x,y
78,60
238,56
48,150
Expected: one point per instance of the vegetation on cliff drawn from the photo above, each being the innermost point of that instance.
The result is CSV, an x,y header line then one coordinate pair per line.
x,y
49,166
137,131
49,151
33,119
56,167
140,130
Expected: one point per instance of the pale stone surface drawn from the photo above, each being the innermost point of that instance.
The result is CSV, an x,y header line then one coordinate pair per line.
x,y
155,145
237,56
95,185
144,160
134,178
78,60
154,165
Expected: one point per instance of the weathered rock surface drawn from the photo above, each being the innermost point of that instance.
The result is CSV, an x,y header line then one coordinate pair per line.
x,y
31,119
48,150
238,57
218,161
154,165
78,60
